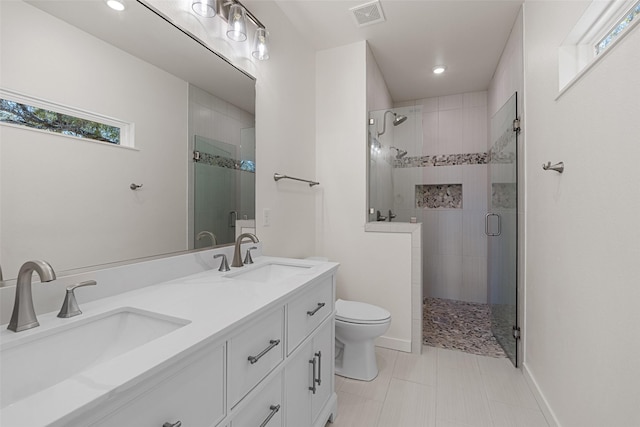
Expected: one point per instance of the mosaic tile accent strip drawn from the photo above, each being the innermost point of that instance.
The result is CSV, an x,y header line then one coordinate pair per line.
x,y
459,325
497,153
504,195
441,160
433,196
226,162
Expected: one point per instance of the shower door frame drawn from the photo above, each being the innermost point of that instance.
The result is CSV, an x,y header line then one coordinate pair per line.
x,y
496,242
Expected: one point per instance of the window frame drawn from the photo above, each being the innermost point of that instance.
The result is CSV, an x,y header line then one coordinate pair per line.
x,y
577,53
126,128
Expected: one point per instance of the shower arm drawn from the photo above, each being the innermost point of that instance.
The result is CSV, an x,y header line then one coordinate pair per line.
x,y
384,122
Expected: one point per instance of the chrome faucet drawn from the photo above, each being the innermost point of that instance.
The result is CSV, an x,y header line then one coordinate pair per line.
x,y
237,258
24,315
209,234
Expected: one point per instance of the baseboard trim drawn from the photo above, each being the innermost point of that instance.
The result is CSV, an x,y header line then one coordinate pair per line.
x,y
548,413
394,344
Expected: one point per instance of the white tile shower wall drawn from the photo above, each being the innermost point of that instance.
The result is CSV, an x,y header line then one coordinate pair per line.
x,y
454,244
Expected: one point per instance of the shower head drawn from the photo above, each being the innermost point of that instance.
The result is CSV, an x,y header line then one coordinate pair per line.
x,y
397,119
400,153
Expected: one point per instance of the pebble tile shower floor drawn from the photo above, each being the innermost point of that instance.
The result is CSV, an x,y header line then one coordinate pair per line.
x,y
459,325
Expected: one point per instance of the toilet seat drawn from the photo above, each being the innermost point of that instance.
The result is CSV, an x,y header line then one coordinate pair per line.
x,y
360,313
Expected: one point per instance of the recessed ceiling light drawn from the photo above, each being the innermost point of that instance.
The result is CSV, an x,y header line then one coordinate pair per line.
x,y
116,5
439,69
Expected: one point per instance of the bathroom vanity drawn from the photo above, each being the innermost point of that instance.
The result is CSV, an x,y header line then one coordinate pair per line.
x,y
250,347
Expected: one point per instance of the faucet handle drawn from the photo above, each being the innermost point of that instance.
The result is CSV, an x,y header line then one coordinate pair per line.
x,y
247,258
224,265
70,306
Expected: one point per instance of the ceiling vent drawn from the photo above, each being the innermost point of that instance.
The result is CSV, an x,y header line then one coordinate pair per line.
x,y
368,13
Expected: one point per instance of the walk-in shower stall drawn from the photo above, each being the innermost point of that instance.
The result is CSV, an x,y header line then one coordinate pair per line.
x,y
444,163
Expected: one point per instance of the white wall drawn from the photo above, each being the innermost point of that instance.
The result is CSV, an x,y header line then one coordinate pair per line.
x,y
583,237
56,189
375,267
285,138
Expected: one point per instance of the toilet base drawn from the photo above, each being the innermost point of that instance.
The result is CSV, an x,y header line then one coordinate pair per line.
x,y
358,361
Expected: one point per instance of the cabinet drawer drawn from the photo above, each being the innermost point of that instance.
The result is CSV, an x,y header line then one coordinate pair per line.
x,y
253,353
306,312
264,409
193,395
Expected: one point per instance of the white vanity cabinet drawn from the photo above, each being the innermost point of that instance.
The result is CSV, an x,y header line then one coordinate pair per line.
x,y
271,367
192,395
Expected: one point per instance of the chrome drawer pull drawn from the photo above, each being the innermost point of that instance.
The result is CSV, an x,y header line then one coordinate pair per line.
x,y
176,424
274,409
311,313
254,359
313,375
319,355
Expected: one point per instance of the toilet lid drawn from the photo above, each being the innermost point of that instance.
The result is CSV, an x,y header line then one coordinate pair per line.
x,y
360,312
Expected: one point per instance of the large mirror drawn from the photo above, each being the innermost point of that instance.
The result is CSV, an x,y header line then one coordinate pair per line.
x,y
70,201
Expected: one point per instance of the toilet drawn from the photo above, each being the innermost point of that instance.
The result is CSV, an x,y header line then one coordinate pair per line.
x,y
357,325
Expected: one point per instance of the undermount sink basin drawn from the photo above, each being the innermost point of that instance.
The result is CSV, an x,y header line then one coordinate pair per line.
x,y
42,360
271,272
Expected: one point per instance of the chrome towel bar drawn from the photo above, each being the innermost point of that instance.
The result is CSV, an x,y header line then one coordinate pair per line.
x,y
278,176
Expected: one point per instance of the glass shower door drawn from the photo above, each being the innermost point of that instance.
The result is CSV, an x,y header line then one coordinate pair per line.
x,y
216,188
501,227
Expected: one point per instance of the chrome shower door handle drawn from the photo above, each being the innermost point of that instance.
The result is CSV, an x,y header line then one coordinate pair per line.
x,y
233,218
486,224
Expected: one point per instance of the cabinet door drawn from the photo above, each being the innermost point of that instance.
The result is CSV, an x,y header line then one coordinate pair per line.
x,y
323,350
299,378
309,378
193,395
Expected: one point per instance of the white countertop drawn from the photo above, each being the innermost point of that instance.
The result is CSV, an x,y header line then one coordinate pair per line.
x,y
212,303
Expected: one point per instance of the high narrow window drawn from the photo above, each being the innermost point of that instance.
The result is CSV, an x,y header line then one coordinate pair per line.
x,y
621,26
25,111
601,26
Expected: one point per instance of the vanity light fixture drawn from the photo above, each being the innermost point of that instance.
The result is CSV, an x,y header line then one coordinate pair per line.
x,y
204,8
236,16
439,69
116,5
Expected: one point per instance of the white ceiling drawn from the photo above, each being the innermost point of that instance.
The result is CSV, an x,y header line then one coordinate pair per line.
x,y
467,36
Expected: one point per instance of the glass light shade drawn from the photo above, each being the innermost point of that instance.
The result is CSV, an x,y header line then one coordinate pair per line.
x,y
260,48
237,29
204,8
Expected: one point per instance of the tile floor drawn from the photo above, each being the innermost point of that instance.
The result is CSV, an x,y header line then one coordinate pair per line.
x,y
440,388
460,325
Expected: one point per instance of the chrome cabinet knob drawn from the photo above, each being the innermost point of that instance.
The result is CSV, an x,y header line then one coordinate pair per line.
x,y
176,424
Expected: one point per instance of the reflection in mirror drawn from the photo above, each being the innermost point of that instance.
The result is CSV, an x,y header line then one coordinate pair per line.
x,y
68,201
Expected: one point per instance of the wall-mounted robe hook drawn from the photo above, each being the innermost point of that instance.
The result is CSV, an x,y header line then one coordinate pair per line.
x,y
135,186
558,167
